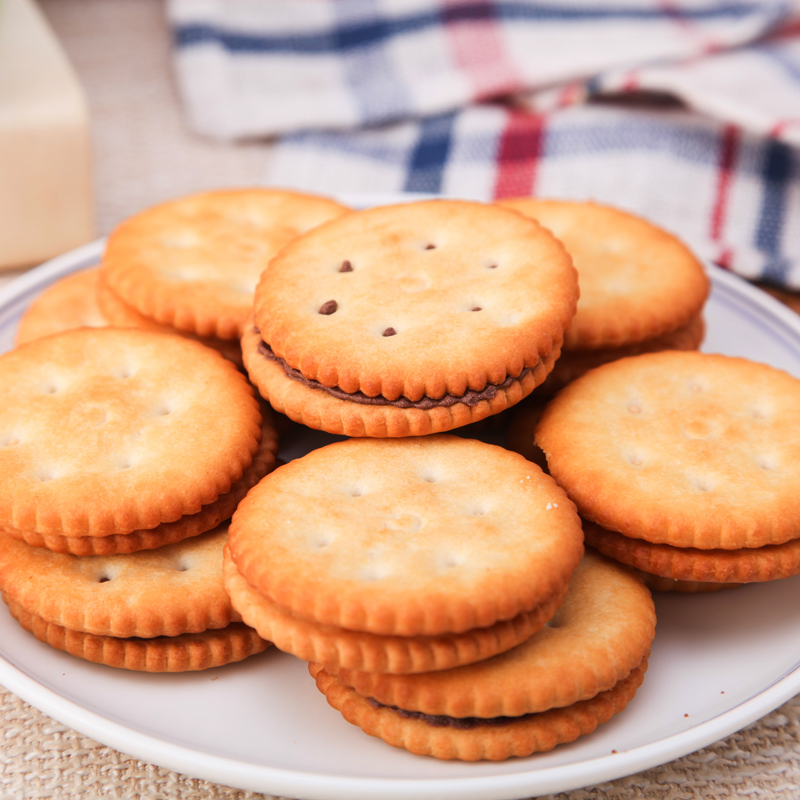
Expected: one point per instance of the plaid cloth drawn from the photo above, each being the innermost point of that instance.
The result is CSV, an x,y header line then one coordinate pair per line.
x,y
497,98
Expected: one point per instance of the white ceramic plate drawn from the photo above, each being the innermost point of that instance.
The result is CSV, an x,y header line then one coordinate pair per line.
x,y
719,662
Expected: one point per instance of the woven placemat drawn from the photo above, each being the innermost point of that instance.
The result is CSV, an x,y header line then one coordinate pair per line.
x,y
43,759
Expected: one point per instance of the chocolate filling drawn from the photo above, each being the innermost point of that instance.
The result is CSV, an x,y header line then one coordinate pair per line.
x,y
443,721
470,398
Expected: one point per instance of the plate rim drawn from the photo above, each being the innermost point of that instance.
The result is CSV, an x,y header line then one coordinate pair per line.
x,y
296,783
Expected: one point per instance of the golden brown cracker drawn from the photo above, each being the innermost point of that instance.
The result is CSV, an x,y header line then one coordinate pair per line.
x,y
574,363
637,280
193,263
407,536
534,733
424,303
111,431
691,565
601,632
207,518
337,648
121,315
173,590
183,653
316,409
680,448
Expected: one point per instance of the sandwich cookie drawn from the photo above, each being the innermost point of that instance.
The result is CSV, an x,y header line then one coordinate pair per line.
x,y
402,555
408,320
161,610
571,676
686,463
642,289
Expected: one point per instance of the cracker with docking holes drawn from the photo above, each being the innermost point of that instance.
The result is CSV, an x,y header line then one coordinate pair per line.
x,y
687,451
156,610
411,319
407,538
109,431
70,302
193,263
563,681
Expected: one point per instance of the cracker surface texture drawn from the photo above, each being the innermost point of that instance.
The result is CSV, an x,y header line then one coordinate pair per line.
x,y
681,448
637,280
111,431
422,303
193,263
558,685
415,536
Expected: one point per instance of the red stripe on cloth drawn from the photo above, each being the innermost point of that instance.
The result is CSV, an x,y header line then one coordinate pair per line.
x,y
570,94
729,150
630,82
478,47
789,31
781,125
707,43
518,154
724,258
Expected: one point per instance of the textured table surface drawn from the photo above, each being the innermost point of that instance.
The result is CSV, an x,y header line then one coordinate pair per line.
x,y
143,154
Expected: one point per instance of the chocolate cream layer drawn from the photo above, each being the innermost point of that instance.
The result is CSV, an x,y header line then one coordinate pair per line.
x,y
443,721
470,398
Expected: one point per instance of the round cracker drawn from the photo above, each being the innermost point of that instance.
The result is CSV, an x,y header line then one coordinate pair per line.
x,y
601,632
418,300
407,536
184,653
680,448
111,431
165,592
337,648
193,263
637,280
687,564
535,733
68,303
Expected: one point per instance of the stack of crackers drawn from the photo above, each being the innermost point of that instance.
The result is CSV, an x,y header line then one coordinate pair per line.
x,y
121,453
435,584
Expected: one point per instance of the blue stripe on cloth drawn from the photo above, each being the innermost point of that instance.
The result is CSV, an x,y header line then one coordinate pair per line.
x,y
430,154
777,172
370,31
373,82
778,54
697,144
